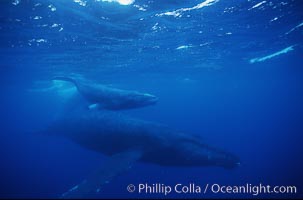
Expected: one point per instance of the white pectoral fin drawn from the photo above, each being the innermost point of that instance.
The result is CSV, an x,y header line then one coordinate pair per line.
x,y
117,164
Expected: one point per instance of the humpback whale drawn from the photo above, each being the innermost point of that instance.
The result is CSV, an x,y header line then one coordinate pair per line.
x,y
127,140
109,98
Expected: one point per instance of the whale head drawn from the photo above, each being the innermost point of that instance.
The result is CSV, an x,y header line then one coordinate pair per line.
x,y
199,154
131,100
149,99
142,99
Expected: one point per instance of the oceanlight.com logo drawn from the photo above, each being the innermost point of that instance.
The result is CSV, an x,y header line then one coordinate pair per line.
x,y
253,189
192,188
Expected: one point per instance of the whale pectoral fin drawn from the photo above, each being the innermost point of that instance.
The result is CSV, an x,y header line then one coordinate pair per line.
x,y
117,164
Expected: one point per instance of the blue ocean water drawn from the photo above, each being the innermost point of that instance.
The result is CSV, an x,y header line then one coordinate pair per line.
x,y
227,70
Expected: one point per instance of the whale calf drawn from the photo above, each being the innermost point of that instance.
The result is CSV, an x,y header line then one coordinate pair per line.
x,y
110,98
127,140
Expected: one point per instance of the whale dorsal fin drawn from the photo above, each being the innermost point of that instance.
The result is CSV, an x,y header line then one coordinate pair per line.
x,y
116,165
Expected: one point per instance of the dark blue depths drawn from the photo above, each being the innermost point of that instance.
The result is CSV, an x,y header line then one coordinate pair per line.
x,y
228,71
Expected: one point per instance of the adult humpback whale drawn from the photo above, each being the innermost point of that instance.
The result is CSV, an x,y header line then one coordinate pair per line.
x,y
110,98
127,140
